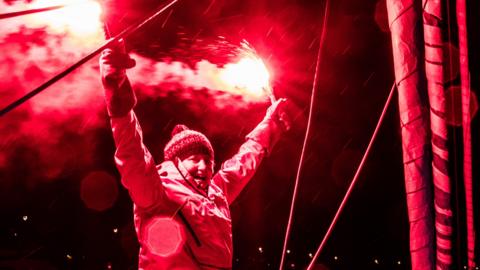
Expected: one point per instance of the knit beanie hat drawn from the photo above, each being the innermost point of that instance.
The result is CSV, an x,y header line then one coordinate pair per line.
x,y
186,142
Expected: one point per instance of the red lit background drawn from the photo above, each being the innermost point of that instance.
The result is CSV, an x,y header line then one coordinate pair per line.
x,y
61,202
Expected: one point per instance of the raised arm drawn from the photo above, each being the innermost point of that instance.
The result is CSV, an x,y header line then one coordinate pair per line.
x,y
237,171
132,158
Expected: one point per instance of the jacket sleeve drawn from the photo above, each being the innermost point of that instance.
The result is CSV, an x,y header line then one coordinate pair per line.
x,y
237,171
134,161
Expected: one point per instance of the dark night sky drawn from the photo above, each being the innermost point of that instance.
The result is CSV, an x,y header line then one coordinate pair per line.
x,y
46,154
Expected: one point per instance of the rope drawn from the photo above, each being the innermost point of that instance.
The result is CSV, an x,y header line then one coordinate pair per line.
x,y
307,133
355,178
28,11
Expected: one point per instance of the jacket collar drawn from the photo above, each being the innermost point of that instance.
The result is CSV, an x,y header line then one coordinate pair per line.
x,y
200,186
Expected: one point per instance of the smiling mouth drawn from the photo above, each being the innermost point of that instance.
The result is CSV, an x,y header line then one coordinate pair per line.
x,y
201,178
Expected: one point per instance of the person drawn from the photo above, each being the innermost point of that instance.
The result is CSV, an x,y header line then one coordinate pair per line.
x,y
183,189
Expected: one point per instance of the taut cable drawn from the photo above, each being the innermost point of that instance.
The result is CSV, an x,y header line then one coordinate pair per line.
x,y
307,132
354,181
29,11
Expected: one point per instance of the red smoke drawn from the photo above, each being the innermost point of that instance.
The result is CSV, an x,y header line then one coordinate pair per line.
x,y
49,133
54,131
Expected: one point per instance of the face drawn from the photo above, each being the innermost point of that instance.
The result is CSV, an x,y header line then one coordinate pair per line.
x,y
199,166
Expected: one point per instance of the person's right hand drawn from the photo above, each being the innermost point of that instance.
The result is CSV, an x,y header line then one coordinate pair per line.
x,y
119,95
113,63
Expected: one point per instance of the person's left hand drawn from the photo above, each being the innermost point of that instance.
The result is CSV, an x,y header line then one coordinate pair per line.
x,y
278,112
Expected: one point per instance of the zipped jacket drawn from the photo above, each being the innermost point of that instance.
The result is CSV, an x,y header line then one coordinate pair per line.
x,y
179,225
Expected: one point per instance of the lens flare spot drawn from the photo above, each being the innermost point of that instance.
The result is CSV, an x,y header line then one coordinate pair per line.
x,y
98,190
453,108
451,55
164,237
248,75
79,17
3,160
381,16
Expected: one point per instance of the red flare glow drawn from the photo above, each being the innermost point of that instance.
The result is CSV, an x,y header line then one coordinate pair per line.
x,y
248,77
248,74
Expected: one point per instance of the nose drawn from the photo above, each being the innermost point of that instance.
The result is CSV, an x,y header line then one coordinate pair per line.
x,y
202,165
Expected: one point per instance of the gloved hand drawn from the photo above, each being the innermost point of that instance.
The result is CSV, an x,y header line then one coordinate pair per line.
x,y
119,95
278,112
275,122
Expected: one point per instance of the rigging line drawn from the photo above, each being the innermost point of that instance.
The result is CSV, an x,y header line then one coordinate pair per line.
x,y
355,178
461,8
307,132
29,11
128,31
454,174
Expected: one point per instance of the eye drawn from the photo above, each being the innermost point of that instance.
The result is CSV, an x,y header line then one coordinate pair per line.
x,y
208,162
194,158
199,158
